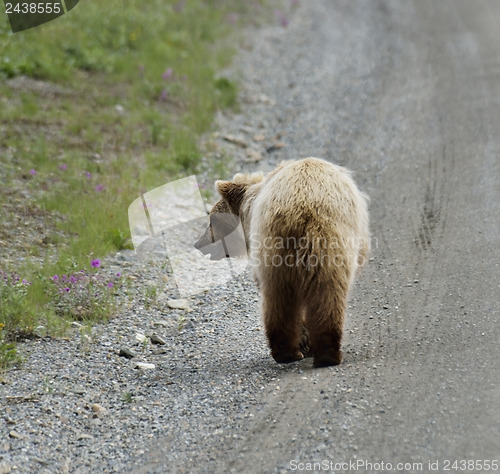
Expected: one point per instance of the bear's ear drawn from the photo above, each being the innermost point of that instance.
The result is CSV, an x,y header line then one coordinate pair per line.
x,y
232,193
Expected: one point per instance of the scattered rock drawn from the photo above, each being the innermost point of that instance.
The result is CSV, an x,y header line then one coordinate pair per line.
x,y
254,156
276,146
155,339
259,137
15,434
178,304
161,322
126,352
144,366
99,409
139,337
239,141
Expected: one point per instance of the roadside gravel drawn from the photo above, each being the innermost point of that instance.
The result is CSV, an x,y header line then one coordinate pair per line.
x,y
76,405
164,367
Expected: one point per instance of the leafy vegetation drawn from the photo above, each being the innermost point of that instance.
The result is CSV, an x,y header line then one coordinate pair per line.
x,y
96,107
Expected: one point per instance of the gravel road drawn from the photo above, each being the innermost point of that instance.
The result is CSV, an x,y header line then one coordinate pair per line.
x,y
406,94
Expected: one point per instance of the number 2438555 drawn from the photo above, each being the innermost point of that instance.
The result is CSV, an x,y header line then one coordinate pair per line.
x,y
27,8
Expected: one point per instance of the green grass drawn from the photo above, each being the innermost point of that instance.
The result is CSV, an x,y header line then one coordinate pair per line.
x,y
117,96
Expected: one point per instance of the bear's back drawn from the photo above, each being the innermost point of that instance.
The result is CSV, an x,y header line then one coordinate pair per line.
x,y
308,195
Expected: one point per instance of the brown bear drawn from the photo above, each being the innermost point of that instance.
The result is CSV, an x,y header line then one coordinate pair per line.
x,y
306,231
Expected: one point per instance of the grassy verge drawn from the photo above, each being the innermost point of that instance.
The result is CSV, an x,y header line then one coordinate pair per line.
x,y
96,107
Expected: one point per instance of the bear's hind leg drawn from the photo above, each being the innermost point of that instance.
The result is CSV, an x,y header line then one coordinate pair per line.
x,y
282,320
325,320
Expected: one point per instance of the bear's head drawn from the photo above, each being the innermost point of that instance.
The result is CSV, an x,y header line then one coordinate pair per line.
x,y
223,236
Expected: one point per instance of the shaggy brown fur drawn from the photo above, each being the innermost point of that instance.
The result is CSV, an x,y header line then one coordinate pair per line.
x,y
306,228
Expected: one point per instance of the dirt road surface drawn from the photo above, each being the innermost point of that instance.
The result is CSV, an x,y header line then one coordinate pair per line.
x,y
407,95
